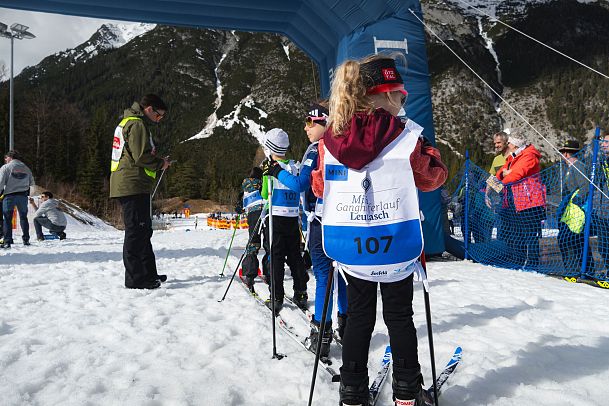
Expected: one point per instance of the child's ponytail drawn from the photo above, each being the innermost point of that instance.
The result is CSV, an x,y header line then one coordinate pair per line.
x,y
347,96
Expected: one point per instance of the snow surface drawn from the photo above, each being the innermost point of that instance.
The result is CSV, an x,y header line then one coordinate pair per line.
x,y
71,334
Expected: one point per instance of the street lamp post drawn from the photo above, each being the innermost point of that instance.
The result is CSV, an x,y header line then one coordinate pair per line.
x,y
18,31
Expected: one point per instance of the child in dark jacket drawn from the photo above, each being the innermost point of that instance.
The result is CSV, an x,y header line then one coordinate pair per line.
x,y
315,127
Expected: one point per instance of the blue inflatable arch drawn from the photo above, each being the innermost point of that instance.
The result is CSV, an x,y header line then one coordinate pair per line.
x,y
329,31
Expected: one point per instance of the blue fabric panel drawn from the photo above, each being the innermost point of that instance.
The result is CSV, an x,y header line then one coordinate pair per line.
x,y
285,198
250,199
336,172
376,245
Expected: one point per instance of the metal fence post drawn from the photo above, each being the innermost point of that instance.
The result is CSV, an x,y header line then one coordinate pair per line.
x,y
466,208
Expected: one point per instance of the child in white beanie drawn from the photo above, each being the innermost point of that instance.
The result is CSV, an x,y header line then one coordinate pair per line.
x,y
286,231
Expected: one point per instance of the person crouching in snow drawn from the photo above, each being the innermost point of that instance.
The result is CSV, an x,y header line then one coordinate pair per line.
x,y
286,233
371,165
315,127
48,215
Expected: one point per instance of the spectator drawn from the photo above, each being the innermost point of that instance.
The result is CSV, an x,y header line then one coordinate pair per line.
x,y
48,215
133,176
570,213
600,206
15,181
525,198
492,199
500,140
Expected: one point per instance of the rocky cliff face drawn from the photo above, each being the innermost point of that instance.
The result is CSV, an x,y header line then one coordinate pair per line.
x,y
558,97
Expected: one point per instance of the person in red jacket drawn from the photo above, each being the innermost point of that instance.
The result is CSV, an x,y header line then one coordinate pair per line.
x,y
371,164
525,198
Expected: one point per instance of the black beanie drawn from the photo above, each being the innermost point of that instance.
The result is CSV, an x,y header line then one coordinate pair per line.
x,y
381,75
317,110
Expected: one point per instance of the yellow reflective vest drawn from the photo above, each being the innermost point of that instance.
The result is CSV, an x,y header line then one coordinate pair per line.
x,y
118,146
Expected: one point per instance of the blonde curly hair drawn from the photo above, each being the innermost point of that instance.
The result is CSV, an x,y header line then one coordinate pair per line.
x,y
348,92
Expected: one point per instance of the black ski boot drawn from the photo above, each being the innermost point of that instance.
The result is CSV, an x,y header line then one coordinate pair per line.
x,y
249,282
325,340
353,388
300,300
278,305
407,387
342,322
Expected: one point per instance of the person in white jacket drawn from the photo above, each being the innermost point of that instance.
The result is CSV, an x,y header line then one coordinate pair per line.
x,y
48,215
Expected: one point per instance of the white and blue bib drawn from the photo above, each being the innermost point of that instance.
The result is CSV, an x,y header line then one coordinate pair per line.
x,y
252,199
371,225
285,201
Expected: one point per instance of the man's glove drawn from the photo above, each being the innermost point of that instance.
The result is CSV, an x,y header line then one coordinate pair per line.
x,y
266,165
239,208
275,169
271,167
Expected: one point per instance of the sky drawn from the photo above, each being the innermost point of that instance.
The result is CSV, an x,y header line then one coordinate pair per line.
x,y
54,32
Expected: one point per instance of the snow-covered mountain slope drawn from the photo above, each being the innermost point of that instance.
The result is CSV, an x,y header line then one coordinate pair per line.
x,y
71,334
109,36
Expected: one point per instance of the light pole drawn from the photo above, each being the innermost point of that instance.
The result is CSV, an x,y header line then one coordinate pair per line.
x,y
18,31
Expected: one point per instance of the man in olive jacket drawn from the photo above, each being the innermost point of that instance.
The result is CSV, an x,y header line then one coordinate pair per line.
x,y
133,176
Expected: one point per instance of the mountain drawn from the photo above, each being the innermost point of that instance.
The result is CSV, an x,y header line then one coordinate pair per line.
x,y
226,88
223,88
560,98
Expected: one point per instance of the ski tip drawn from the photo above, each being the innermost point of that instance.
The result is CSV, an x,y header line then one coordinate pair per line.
x,y
457,355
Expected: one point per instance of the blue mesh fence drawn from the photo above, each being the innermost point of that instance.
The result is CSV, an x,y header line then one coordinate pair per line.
x,y
539,223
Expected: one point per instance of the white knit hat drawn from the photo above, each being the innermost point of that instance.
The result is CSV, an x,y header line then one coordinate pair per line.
x,y
517,142
277,141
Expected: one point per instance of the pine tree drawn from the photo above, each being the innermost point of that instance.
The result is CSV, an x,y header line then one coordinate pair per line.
x,y
95,162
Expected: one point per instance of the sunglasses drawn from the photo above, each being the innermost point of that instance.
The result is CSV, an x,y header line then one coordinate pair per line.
x,y
311,121
157,113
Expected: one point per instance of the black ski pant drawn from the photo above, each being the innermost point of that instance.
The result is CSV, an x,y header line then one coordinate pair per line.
x,y
397,314
250,261
286,249
40,222
572,249
138,257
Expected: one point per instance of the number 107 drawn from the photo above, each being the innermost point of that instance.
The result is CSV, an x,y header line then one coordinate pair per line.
x,y
372,244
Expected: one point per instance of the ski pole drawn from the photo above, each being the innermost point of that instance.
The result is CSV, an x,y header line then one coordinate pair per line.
x,y
160,178
270,185
230,245
322,328
429,331
157,184
242,255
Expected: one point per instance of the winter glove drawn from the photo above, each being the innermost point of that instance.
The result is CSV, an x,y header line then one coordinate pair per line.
x,y
266,165
426,143
275,169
